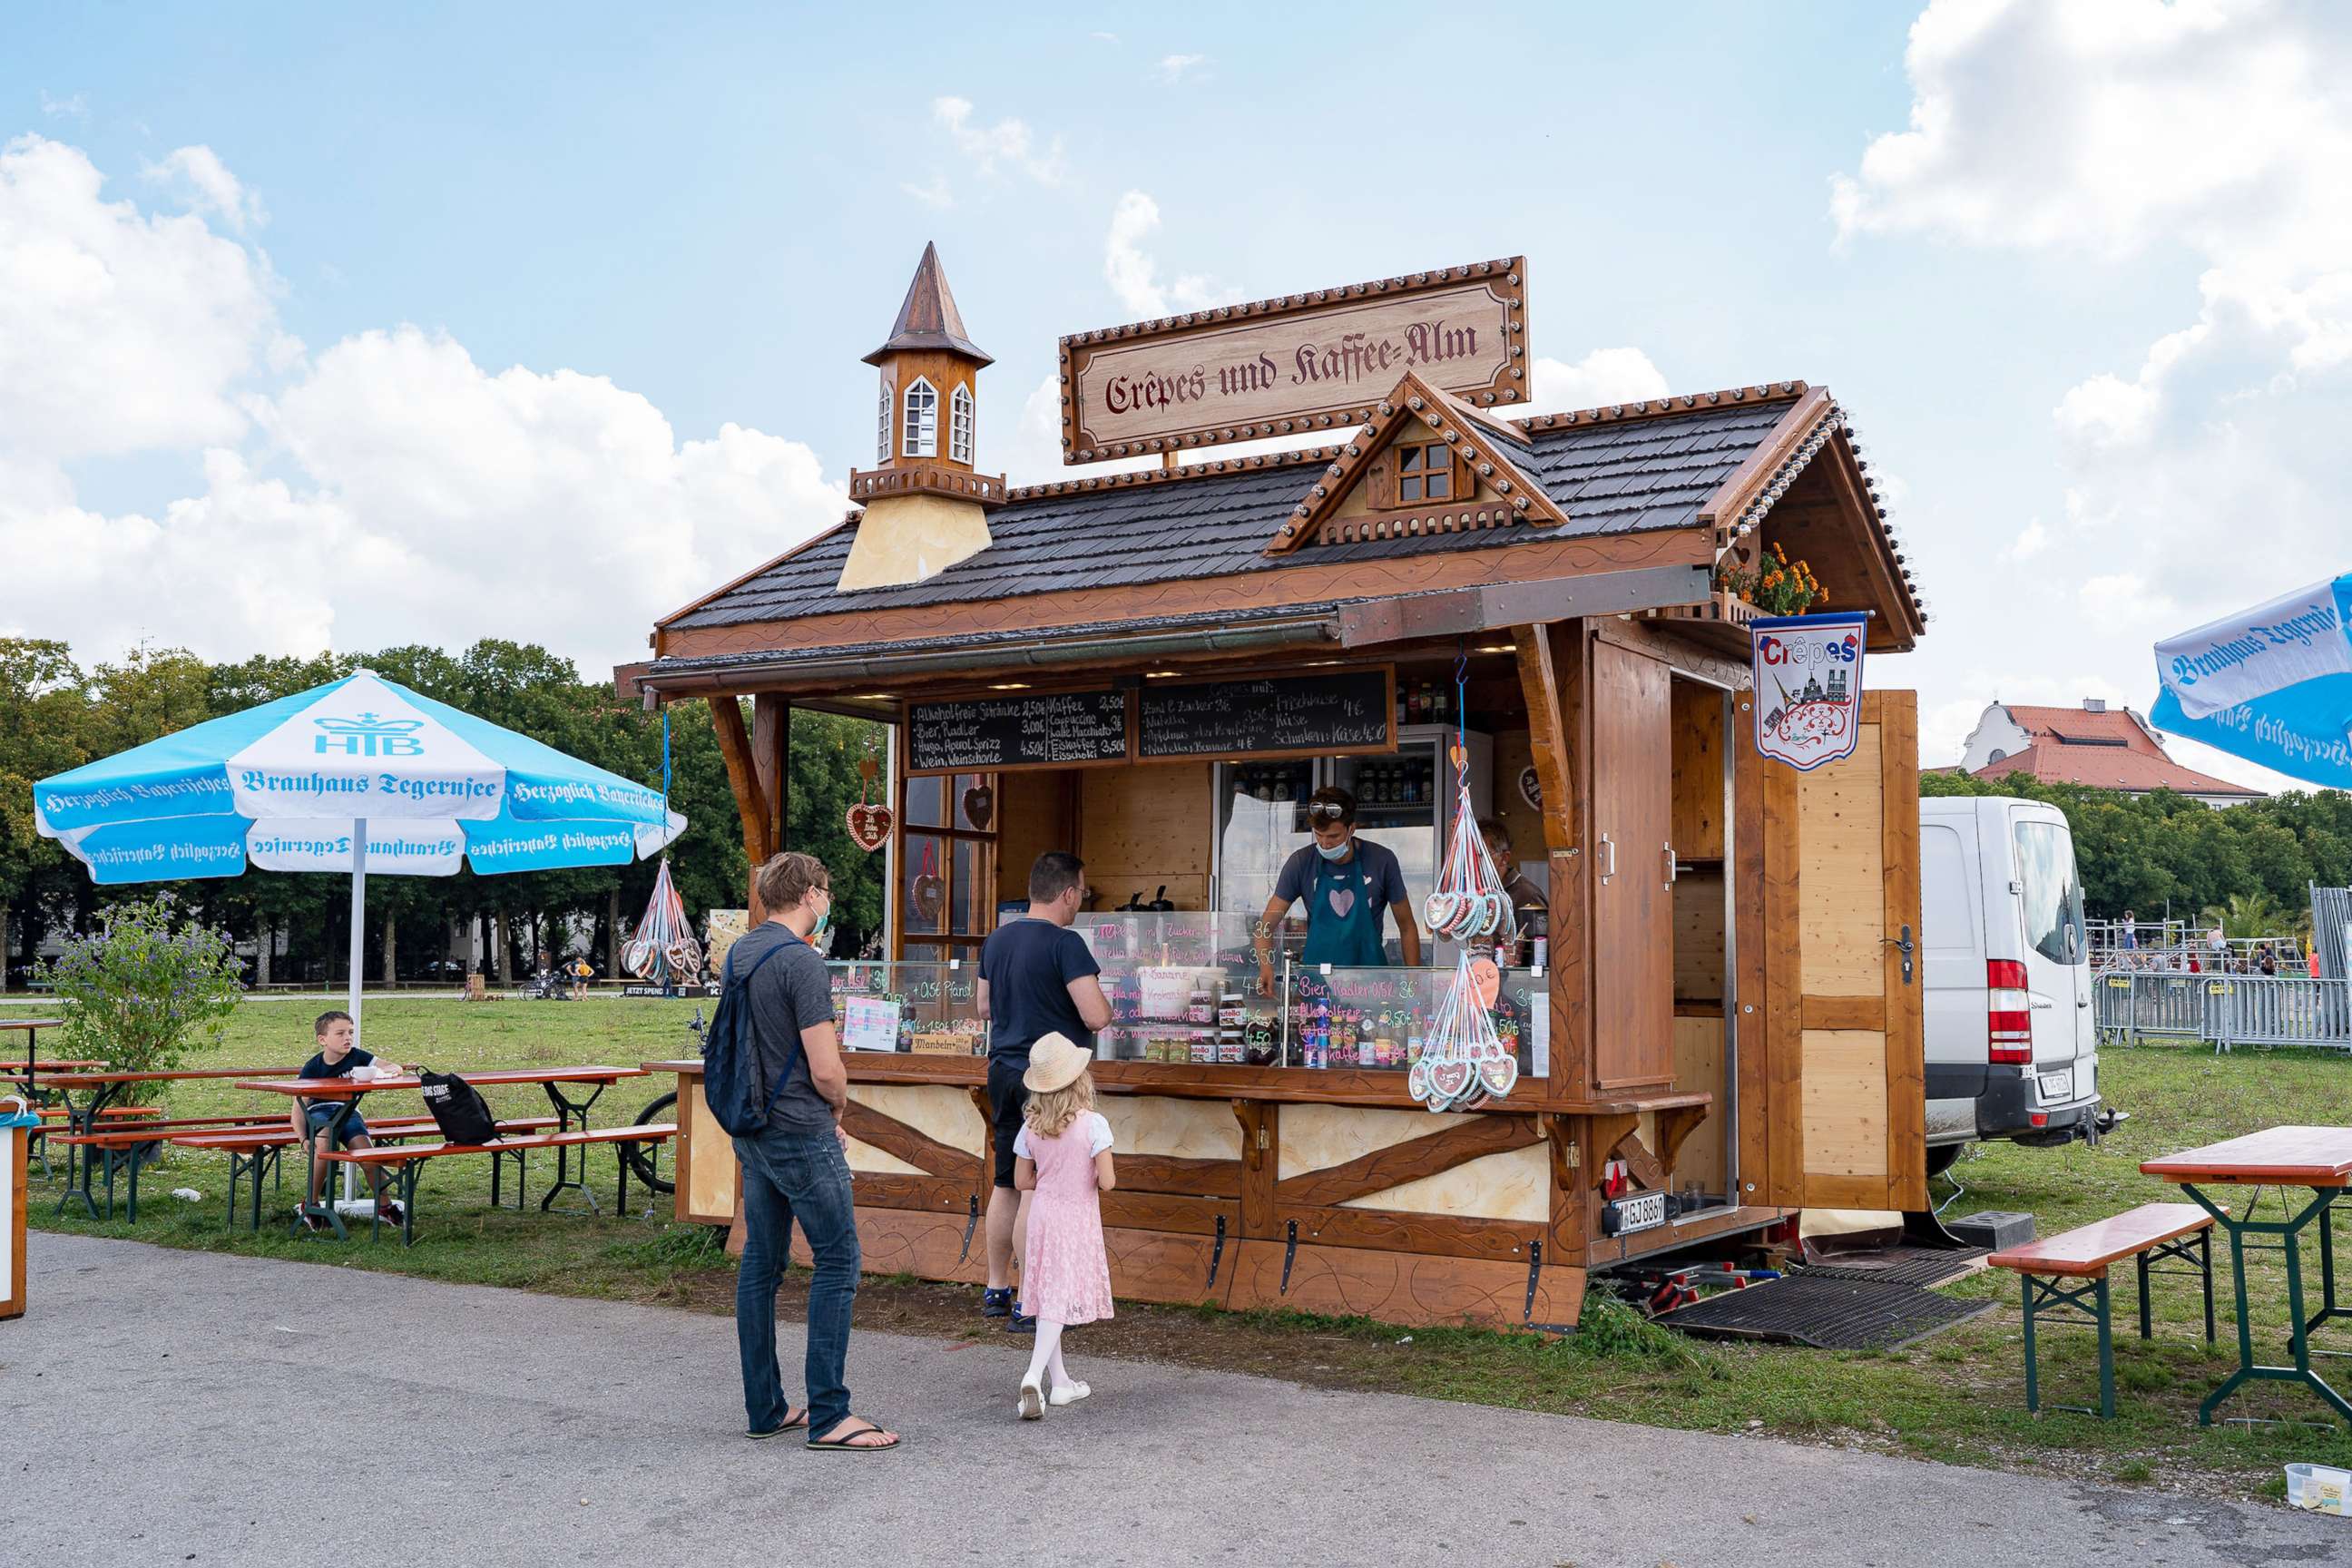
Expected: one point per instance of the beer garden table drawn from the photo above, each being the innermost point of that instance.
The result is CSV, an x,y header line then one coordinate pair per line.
x,y
31,1064
2320,1158
570,1115
105,1088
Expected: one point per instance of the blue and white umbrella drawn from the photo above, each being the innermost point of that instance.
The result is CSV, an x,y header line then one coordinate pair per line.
x,y
360,774
2273,685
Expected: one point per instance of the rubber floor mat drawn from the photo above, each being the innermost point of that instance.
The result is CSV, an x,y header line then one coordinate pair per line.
x,y
1925,1266
1826,1313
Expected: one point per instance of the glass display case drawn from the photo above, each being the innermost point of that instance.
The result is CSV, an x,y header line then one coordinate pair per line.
x,y
1375,1019
919,1009
1183,987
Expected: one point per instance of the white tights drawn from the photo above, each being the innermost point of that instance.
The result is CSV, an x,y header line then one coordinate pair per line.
x,y
1045,1360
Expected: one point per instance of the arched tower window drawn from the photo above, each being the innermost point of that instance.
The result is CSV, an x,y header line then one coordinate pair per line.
x,y
960,424
882,425
922,423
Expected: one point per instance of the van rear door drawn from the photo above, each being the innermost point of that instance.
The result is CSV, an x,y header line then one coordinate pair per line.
x,y
2056,946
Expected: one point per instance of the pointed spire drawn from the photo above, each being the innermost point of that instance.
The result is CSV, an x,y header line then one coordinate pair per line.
x,y
928,320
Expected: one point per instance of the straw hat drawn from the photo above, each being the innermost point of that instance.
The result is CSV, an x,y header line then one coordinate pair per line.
x,y
1054,1063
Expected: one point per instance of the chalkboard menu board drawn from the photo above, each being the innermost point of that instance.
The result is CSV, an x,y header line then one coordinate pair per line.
x,y
1313,715
1031,730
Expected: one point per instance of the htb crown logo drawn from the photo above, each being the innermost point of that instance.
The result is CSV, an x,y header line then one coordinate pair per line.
x,y
365,736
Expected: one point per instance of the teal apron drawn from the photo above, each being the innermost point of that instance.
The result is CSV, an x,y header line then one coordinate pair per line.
x,y
1343,923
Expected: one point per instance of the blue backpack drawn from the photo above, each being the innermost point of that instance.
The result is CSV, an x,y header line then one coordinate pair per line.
x,y
734,1074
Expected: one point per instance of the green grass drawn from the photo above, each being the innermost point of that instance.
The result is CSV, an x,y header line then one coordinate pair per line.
x,y
1956,1396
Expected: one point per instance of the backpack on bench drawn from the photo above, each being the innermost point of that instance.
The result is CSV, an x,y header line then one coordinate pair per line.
x,y
458,1109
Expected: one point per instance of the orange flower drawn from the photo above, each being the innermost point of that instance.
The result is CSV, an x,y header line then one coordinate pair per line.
x,y
1780,555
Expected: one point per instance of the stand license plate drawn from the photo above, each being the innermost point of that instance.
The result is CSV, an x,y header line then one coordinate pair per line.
x,y
1635,1211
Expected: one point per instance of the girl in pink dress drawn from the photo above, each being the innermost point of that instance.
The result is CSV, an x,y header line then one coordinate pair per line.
x,y
1062,1155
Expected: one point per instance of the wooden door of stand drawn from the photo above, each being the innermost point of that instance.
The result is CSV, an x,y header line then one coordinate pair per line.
x,y
1844,1028
1632,871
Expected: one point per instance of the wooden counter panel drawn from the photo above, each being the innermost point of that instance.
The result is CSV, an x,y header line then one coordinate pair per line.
x,y
1405,1288
1169,1211
909,1241
1440,1235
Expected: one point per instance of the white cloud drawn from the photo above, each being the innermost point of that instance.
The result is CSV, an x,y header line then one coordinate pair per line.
x,y
2031,542
934,193
1134,275
1104,38
1008,144
74,107
2123,604
1601,377
120,331
2202,140
1174,68
384,490
204,185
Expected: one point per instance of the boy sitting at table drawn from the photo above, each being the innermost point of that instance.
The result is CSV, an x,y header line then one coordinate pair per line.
x,y
316,1118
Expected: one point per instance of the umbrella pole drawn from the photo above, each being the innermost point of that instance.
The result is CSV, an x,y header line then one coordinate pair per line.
x,y
359,943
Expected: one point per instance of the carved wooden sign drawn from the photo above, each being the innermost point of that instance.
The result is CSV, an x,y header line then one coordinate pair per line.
x,y
1296,366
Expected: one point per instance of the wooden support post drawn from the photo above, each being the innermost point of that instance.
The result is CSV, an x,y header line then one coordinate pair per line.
x,y
750,805
771,718
1261,1163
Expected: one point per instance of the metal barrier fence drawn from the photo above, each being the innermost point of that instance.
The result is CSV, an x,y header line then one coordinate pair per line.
x,y
2225,1009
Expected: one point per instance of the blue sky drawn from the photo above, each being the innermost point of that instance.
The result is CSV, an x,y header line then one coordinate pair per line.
x,y
707,213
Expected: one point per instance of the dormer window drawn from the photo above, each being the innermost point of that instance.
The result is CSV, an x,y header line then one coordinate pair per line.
x,y
922,423
1424,473
882,425
960,424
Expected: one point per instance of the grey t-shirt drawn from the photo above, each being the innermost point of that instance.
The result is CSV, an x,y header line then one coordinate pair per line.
x,y
791,992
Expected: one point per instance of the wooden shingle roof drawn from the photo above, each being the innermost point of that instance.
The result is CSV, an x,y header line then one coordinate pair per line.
x,y
1610,475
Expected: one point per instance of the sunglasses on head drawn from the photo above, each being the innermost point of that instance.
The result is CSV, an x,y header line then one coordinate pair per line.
x,y
1328,811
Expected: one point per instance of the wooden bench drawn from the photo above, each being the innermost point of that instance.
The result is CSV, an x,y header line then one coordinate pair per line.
x,y
2146,1235
408,1162
251,1145
257,1150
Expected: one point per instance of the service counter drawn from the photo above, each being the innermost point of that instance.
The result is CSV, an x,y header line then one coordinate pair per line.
x,y
1247,1177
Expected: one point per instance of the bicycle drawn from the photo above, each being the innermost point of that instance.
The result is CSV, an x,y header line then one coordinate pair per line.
x,y
643,1163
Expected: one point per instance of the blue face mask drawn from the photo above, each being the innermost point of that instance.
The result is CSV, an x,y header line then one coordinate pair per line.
x,y
1337,851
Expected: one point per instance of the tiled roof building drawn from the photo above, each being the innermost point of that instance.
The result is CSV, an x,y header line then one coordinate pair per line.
x,y
2107,748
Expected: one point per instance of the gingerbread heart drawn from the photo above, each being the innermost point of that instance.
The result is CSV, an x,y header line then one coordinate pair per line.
x,y
869,825
979,805
929,895
1449,1077
1499,1073
1416,1081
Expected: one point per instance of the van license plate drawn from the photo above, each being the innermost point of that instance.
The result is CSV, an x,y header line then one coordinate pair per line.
x,y
1636,1211
2058,1085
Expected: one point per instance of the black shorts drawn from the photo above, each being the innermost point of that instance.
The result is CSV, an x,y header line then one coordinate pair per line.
x,y
1006,1099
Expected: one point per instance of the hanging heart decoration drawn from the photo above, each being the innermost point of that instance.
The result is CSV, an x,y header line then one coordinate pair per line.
x,y
1531,788
979,805
869,825
928,892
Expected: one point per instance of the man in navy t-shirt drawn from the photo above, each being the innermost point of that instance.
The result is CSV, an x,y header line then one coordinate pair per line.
x,y
1037,978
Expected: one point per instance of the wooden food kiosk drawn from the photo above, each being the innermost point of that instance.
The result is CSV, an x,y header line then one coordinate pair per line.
x,y
1152,667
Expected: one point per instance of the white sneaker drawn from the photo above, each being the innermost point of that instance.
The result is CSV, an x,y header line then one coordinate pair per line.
x,y
1069,1393
1033,1401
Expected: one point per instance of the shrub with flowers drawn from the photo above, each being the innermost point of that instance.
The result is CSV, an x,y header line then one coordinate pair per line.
x,y
143,987
1776,586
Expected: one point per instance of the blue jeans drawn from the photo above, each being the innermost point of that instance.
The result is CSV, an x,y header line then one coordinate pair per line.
x,y
789,1176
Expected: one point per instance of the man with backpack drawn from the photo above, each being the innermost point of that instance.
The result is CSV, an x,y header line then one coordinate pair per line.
x,y
773,1075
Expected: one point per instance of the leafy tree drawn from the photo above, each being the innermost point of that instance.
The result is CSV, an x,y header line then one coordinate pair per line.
x,y
144,986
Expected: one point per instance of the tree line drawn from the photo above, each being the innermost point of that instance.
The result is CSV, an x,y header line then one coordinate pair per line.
x,y
54,714
2149,852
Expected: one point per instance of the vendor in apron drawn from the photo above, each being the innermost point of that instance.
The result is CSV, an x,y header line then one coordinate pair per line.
x,y
1351,886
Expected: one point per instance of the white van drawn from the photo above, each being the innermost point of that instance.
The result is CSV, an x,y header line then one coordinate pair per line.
x,y
2012,1043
